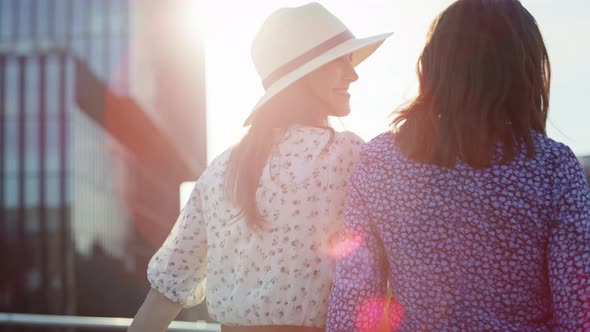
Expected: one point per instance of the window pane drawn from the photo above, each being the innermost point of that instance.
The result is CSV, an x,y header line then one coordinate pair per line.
x,y
79,18
61,20
117,18
52,188
32,190
32,146
69,190
70,105
6,19
11,190
11,145
24,19
43,12
32,116
11,88
97,17
52,147
79,46
51,85
32,86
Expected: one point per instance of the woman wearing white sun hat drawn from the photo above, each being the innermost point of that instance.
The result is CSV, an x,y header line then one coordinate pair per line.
x,y
263,220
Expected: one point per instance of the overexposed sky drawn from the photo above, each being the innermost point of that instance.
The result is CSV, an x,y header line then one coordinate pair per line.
x,y
387,78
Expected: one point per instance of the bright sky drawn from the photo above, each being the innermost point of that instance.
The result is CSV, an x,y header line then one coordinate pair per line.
x,y
387,78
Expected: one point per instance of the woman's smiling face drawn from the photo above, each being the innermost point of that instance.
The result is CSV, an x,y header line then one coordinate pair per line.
x,y
329,85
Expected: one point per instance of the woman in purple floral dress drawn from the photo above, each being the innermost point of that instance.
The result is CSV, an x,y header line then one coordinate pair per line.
x,y
466,210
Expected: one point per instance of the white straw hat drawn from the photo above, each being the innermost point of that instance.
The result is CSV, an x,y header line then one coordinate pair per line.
x,y
293,42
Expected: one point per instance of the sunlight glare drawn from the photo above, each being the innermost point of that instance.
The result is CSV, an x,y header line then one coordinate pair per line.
x,y
387,79
187,21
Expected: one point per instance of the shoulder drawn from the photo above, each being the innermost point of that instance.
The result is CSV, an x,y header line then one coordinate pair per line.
x,y
552,153
348,138
346,144
382,146
333,142
339,137
221,160
215,170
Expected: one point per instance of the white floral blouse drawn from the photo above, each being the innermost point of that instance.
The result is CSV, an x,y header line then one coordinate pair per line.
x,y
282,275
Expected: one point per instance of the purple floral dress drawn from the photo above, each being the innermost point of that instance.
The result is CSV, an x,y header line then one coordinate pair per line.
x,y
506,248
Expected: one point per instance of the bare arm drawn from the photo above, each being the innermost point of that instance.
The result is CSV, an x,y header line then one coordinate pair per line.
x,y
175,283
155,314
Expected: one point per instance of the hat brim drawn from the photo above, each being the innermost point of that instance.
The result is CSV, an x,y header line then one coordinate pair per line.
x,y
360,48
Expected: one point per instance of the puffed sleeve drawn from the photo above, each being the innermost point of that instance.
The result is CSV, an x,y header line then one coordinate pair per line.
x,y
569,247
359,289
178,269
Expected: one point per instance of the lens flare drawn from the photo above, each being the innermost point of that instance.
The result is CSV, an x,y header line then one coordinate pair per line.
x,y
344,245
379,314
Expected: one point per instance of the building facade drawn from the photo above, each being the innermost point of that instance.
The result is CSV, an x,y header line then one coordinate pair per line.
x,y
101,118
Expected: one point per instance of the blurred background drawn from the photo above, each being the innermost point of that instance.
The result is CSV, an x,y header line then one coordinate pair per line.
x,y
108,106
102,116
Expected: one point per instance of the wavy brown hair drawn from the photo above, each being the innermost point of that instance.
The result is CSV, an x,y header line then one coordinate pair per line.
x,y
484,78
249,157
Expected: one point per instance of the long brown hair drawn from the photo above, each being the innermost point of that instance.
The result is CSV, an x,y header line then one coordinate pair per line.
x,y
248,158
484,78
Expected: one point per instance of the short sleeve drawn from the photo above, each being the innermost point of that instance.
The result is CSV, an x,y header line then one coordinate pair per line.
x,y
178,269
569,247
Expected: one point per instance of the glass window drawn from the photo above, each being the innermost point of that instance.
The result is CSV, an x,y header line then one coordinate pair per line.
x,y
24,19
31,109
117,17
52,190
96,12
11,88
52,145
51,85
6,19
43,12
32,86
95,58
69,114
124,9
78,10
32,189
79,47
11,190
32,149
69,190
11,142
69,146
61,18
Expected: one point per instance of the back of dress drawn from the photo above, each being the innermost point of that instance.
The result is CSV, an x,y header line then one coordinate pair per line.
x,y
282,274
503,248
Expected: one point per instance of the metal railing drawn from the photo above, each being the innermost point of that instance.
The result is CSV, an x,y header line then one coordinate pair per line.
x,y
106,323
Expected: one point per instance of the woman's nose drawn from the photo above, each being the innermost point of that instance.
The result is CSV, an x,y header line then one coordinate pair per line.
x,y
351,73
